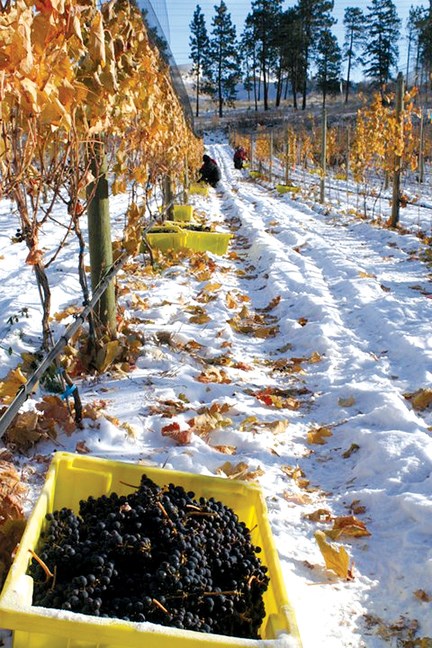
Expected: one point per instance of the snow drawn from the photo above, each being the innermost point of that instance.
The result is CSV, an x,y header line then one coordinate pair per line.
x,y
348,302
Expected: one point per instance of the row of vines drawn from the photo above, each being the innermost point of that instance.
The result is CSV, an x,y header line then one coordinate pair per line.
x,y
83,93
366,152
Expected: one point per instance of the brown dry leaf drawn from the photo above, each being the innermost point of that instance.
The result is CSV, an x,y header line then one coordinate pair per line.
x,y
213,374
422,596
10,385
274,302
353,448
209,420
27,429
318,435
71,310
173,431
211,287
107,355
200,318
336,558
357,508
56,412
302,321
315,357
421,399
347,402
239,471
225,449
347,525
277,427
297,498
230,301
297,474
366,275
10,535
320,515
82,448
13,493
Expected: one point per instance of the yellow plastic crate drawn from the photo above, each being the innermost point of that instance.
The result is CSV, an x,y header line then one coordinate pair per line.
x,y
182,213
198,188
280,188
170,240
71,478
255,174
216,242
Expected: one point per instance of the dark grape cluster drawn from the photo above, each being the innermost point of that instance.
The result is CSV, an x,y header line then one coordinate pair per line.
x,y
158,555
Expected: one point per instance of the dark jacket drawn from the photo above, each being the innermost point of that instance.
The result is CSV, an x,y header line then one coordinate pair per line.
x,y
239,157
209,172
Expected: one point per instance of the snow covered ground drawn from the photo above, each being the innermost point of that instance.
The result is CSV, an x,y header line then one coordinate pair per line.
x,y
309,339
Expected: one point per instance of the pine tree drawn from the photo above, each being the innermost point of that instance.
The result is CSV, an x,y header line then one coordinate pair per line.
x,y
381,50
354,37
199,50
424,24
328,62
315,16
288,41
264,20
223,64
249,62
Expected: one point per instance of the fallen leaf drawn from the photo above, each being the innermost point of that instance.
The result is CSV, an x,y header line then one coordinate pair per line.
x,y
224,449
336,558
318,435
346,402
354,447
82,448
173,431
214,375
422,596
421,399
320,515
347,525
10,385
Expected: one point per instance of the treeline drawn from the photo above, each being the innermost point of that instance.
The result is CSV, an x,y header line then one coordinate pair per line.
x,y
293,47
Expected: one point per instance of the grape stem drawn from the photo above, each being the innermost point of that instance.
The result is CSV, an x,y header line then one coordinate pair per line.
x,y
46,569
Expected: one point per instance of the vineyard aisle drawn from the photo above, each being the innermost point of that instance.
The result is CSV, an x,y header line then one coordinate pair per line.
x,y
301,359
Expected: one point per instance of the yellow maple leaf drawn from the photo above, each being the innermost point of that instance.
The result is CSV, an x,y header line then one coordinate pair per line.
x,y
336,558
10,385
421,399
318,435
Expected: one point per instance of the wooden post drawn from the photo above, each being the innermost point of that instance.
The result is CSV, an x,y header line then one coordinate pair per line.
x,y
394,219
186,181
271,156
251,157
168,196
421,150
100,244
323,155
287,153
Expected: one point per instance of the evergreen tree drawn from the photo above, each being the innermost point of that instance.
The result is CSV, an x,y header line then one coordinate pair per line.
x,y
199,50
382,35
288,41
249,62
354,37
424,25
315,16
328,62
414,24
264,20
223,63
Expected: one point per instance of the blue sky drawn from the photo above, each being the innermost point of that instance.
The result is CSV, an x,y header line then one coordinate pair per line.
x,y
180,14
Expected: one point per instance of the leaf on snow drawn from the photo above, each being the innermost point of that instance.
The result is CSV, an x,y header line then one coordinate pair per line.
x,y
336,558
214,375
320,515
239,471
318,435
173,431
420,399
347,525
349,401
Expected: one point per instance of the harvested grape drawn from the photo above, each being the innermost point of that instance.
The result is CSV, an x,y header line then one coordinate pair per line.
x,y
159,555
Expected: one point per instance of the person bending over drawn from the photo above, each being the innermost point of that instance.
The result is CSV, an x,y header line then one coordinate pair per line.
x,y
209,172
